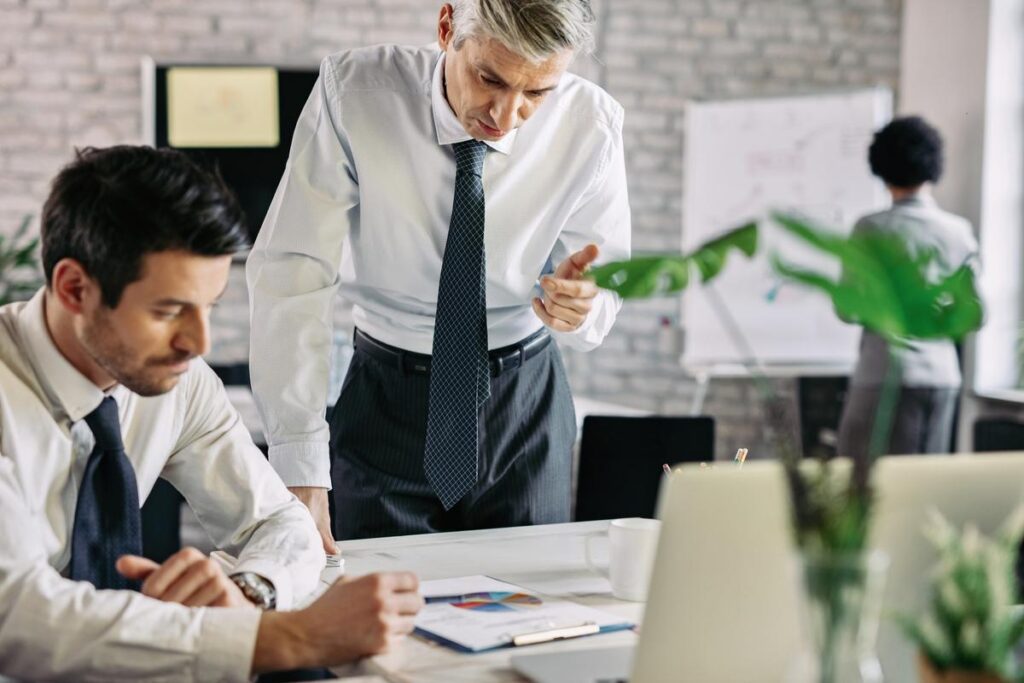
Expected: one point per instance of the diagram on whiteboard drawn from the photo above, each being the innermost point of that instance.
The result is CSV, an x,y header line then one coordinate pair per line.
x,y
745,158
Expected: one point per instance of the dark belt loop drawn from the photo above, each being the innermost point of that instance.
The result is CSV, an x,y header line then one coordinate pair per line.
x,y
400,356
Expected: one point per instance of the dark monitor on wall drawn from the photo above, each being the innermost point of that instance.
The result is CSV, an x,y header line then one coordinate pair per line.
x,y
239,118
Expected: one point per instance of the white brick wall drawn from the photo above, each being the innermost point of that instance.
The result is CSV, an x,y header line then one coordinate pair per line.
x,y
660,53
69,76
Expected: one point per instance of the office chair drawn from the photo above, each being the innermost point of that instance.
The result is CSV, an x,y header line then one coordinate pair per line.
x,y
820,401
998,434
621,458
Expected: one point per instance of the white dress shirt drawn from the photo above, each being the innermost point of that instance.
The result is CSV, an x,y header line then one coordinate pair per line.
x,y
52,627
365,203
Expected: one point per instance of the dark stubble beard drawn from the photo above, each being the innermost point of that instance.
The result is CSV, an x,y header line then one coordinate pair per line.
x,y
139,375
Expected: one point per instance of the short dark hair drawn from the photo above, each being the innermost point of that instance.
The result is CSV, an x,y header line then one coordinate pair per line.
x,y
907,153
110,207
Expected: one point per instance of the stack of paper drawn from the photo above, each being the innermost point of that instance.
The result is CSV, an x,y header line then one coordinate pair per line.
x,y
477,613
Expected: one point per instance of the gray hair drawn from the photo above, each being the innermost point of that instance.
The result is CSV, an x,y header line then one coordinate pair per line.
x,y
534,29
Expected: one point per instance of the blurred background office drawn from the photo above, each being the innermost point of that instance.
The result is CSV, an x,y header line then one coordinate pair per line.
x,y
95,72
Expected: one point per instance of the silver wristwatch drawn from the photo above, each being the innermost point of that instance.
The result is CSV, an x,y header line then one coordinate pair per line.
x,y
256,589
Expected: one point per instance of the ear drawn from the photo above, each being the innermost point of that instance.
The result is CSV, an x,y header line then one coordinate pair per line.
x,y
445,29
72,287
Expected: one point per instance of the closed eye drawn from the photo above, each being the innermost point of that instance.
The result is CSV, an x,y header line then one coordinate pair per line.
x,y
167,313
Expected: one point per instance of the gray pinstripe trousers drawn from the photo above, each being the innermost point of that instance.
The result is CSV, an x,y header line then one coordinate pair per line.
x,y
378,429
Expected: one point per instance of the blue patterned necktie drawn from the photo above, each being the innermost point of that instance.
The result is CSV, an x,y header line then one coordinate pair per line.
x,y
108,523
460,381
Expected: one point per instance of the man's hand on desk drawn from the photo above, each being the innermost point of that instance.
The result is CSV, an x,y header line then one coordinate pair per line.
x,y
187,577
352,619
567,296
315,498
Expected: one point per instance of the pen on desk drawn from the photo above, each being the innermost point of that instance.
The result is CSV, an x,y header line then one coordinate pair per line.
x,y
558,633
433,599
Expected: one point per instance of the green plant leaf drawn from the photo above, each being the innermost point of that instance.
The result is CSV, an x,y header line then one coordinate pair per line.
x,y
1004,635
885,286
660,274
711,256
20,271
644,276
972,623
22,229
933,642
26,256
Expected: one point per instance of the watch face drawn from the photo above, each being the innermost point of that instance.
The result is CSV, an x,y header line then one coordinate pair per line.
x,y
256,589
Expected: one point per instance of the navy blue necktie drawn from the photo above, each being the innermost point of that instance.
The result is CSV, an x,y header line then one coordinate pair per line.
x,y
108,523
460,380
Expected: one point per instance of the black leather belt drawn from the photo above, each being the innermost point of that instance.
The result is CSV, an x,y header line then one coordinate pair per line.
x,y
502,360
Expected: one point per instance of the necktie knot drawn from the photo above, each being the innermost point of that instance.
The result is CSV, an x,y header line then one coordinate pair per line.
x,y
469,157
106,426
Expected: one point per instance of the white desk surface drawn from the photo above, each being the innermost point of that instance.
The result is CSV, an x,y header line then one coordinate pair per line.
x,y
548,559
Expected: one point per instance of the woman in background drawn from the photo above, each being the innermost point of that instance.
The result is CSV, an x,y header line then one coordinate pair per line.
x,y
907,155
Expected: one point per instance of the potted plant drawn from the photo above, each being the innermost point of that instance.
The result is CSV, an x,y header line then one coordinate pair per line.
x,y
19,265
972,624
888,288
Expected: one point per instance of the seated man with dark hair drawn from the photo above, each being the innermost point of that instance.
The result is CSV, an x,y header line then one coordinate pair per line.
x,y
907,156
102,391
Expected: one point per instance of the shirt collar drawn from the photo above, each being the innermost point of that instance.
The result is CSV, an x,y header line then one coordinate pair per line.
x,y
919,199
449,129
72,391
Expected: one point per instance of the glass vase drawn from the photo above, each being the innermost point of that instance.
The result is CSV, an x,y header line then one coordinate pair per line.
x,y
841,598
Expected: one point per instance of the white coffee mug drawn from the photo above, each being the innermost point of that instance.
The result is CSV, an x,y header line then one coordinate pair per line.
x,y
631,545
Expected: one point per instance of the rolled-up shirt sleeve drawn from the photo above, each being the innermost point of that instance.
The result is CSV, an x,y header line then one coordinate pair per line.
x,y
602,218
238,497
292,275
52,628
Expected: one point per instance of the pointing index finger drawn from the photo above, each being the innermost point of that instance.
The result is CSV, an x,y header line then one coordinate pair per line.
x,y
585,256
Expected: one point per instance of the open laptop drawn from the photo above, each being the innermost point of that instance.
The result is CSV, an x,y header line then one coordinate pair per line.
x,y
723,600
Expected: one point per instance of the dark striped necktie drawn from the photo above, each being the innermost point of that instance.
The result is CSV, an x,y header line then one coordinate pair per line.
x,y
107,523
460,381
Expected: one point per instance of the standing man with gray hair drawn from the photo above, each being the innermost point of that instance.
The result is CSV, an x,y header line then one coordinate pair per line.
x,y
456,194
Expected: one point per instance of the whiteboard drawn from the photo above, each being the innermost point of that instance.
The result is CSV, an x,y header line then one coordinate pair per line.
x,y
743,158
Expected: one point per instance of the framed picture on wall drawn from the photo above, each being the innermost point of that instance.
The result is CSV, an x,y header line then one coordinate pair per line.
x,y
236,117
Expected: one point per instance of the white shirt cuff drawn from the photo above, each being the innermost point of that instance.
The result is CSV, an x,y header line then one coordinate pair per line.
x,y
596,327
227,643
302,464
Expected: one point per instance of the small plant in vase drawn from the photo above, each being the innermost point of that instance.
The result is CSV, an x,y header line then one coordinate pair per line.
x,y
973,622
19,265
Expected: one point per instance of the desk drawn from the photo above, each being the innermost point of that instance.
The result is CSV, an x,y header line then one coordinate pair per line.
x,y
547,559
